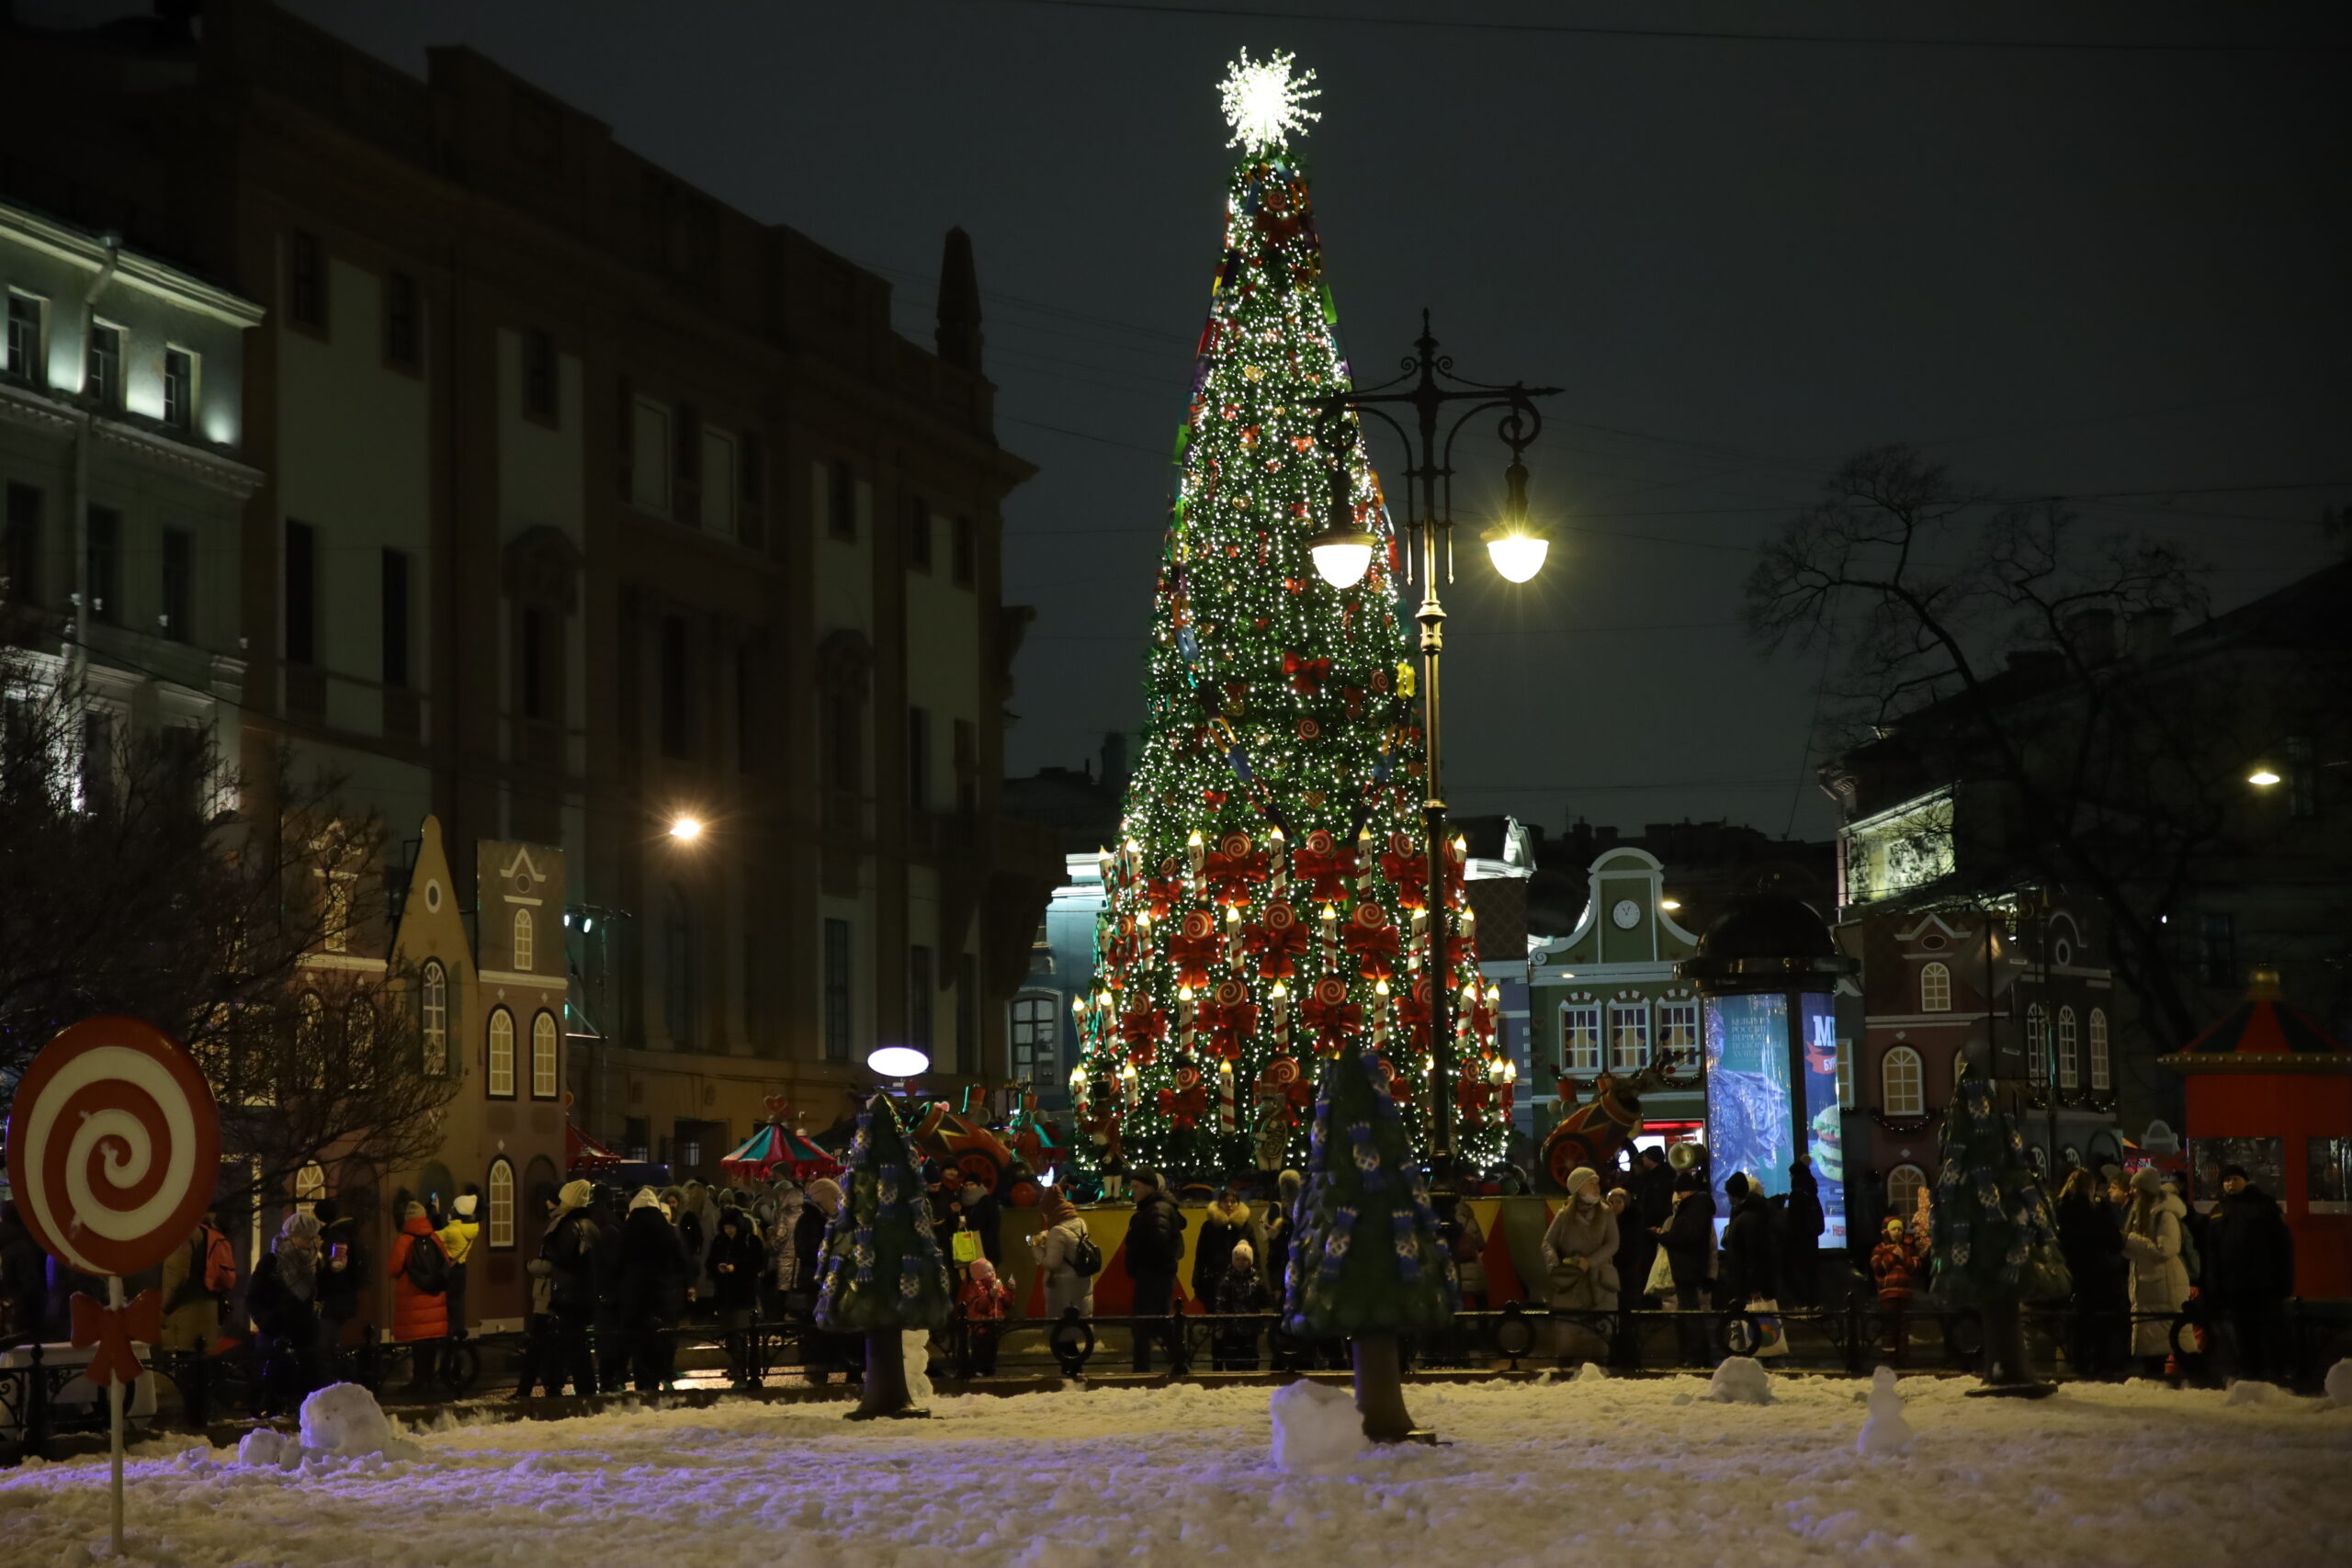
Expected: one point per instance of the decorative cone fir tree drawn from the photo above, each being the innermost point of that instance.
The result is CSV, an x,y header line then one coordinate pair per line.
x,y
1995,1245
1268,900
880,1274
1367,1262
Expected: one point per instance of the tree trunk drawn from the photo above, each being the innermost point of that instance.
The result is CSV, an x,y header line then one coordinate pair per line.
x,y
886,1378
1380,1389
2005,1356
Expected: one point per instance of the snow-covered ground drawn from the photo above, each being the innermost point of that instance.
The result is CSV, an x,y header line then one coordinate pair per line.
x,y
1592,1471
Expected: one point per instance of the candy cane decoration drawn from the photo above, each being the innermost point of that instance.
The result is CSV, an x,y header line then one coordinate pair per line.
x,y
1226,1121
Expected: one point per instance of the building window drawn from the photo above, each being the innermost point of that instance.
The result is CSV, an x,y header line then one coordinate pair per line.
x,y
543,1062
97,760
919,533
649,466
718,482
334,912
534,673
301,594
1845,1075
1902,1083
1935,988
395,619
27,345
968,1014
841,500
1579,1039
502,1204
502,1054
403,341
1034,1022
917,760
104,552
179,388
678,1011
2302,779
524,945
103,380
306,280
964,550
843,742
435,989
311,1048
686,450
2069,1063
2037,1044
20,544
2102,1070
1678,1034
541,398
922,991
1629,1036
177,620
673,683
1903,1184
2217,948
838,998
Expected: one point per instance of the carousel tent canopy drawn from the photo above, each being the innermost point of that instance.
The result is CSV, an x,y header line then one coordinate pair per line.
x,y
2263,1034
774,1147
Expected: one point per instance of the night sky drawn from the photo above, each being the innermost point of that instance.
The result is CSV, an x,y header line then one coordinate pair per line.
x,y
2078,271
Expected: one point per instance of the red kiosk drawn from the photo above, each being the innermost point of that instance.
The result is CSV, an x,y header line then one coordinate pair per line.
x,y
2269,1089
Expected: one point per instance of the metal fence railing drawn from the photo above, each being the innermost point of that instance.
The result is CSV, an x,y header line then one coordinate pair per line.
x,y
45,1406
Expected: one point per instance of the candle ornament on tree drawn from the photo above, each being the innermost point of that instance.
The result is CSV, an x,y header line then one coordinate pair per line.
x,y
1268,862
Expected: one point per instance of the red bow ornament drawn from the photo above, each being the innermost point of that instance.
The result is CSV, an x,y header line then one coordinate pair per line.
x,y
1413,1012
1142,1030
1192,956
1184,1108
1277,948
1227,1026
1160,894
1332,1021
1306,675
1374,947
113,1330
1325,866
1233,877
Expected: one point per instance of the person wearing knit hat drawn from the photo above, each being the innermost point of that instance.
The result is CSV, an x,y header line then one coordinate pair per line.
x,y
1282,1224
1155,1247
571,1250
1239,1296
574,1194
1061,1247
1735,1186
984,1300
1750,1261
457,1238
419,1270
821,1354
1580,1259
2152,1239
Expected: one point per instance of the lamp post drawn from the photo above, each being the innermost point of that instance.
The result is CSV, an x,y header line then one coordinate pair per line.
x,y
1428,391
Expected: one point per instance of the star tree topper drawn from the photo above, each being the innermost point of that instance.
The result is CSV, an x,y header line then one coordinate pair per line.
x,y
1264,103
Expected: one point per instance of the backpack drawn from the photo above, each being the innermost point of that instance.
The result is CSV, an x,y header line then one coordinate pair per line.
x,y
428,1267
1085,1259
220,1264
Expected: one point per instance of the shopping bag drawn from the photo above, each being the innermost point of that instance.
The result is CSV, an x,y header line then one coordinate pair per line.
x,y
1772,1339
1661,1281
965,1246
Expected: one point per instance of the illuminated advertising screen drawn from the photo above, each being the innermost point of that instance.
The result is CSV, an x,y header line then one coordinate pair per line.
x,y
1748,1121
1823,1141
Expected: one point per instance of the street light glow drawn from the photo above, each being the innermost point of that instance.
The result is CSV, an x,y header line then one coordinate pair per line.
x,y
686,829
1518,556
1342,555
2262,778
897,1061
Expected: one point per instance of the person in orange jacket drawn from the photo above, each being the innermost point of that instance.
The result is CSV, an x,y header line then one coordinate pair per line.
x,y
420,1274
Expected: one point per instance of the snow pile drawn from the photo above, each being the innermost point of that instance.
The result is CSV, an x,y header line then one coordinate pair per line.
x,y
2340,1384
343,1419
1741,1380
1316,1425
1590,1372
2246,1390
1885,1431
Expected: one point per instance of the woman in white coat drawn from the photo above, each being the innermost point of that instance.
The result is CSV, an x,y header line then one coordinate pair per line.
x,y
1056,1246
2159,1280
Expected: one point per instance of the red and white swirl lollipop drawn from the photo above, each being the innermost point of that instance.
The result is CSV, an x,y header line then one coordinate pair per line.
x,y
114,1146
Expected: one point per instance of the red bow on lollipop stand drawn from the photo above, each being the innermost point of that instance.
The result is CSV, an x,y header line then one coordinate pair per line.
x,y
113,1330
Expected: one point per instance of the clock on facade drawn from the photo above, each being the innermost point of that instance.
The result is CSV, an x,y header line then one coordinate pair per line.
x,y
1627,914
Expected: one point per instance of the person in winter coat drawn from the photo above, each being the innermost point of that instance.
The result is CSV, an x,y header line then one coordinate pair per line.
x,y
779,1216
282,1298
1282,1224
1466,1243
736,1262
573,1249
1230,1222
657,1275
1898,1268
1580,1262
2249,1271
1239,1292
537,1354
821,1354
1750,1262
984,1214
24,1280
2092,1244
2159,1284
191,1308
1801,1279
420,1317
1154,1247
1689,1238
1056,1248
457,1238
342,1262
984,1301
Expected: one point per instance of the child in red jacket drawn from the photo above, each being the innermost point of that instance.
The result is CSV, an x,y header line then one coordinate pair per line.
x,y
1897,1264
984,1300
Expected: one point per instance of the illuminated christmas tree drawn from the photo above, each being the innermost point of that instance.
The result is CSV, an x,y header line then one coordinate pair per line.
x,y
1268,903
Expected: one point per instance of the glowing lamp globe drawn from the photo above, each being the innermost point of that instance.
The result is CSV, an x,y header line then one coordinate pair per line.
x,y
1517,557
899,1061
1342,555
2262,778
686,829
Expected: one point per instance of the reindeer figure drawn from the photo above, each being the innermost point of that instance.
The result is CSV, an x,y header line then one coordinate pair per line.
x,y
1596,1131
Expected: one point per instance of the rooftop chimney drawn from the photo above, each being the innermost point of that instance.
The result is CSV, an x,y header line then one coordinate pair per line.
x,y
958,334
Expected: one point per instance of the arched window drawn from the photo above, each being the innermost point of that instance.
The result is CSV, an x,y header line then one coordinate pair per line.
x,y
678,970
523,939
501,1203
2070,1068
1935,988
502,1054
543,1055
436,988
2037,1044
1901,1085
1903,1187
2102,1074
311,1042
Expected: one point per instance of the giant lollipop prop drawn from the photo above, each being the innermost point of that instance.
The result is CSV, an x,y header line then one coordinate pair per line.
x,y
114,1147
